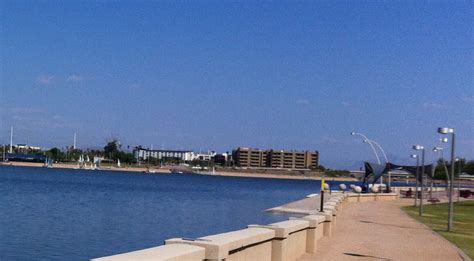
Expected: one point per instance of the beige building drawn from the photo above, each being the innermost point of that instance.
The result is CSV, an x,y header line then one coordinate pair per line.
x,y
249,157
284,159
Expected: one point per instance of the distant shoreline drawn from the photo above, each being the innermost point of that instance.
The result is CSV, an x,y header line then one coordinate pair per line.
x,y
167,171
273,176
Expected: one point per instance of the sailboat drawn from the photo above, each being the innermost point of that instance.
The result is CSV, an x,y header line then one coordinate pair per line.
x,y
118,163
80,162
50,163
96,163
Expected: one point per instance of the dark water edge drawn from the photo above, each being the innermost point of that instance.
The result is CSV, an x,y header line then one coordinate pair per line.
x,y
66,214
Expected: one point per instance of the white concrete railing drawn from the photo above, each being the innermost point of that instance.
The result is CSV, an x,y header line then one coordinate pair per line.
x,y
281,241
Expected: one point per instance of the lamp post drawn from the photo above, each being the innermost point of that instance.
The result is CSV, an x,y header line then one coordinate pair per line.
x,y
379,147
459,177
440,150
419,147
451,185
371,145
416,176
385,156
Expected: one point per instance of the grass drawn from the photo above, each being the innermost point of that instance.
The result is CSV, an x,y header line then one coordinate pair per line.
x,y
435,216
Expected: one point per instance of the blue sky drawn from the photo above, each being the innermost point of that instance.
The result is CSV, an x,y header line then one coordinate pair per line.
x,y
222,74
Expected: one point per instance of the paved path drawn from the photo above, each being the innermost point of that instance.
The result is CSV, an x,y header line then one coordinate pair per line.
x,y
382,231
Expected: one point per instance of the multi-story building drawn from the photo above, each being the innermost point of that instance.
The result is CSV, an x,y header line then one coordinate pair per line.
x,y
144,154
203,156
249,157
292,159
256,158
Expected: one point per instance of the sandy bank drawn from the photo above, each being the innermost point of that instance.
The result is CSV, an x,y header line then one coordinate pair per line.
x,y
167,170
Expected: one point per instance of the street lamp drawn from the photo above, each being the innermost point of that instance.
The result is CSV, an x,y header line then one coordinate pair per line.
x,y
416,176
451,185
370,143
419,147
378,146
386,159
459,177
440,150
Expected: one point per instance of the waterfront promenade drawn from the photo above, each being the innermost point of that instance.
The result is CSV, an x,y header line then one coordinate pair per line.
x,y
380,230
351,227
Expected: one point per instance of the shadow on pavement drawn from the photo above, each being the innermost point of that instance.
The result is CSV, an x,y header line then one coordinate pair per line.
x,y
382,224
360,255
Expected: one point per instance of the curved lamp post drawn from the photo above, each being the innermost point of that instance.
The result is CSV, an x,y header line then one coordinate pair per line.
x,y
451,184
379,147
371,145
386,159
419,147
440,150
416,175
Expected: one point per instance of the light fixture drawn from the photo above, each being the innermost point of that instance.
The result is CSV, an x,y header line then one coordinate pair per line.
x,y
418,147
445,130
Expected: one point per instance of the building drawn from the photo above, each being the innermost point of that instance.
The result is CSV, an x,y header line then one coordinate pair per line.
x,y
283,159
249,157
24,148
292,159
25,157
144,154
203,156
223,159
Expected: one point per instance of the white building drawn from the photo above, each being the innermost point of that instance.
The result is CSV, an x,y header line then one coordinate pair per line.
x,y
25,147
144,154
203,156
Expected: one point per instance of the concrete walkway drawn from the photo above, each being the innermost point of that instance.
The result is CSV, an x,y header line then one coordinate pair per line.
x,y
382,231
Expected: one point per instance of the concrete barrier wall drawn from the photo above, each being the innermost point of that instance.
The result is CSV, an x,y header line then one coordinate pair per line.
x,y
314,232
235,245
354,197
167,252
281,241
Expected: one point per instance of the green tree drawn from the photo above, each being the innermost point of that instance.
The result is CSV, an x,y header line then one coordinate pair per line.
x,y
55,153
468,167
124,157
336,173
111,149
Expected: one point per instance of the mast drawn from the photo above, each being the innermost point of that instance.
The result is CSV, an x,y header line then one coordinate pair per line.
x,y
11,139
74,145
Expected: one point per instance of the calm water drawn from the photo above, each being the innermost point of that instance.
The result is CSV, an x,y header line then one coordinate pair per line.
x,y
57,214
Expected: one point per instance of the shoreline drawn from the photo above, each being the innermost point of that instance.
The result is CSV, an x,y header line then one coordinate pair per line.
x,y
167,171
273,176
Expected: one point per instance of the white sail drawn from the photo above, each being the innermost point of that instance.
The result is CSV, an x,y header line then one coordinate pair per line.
x,y
118,163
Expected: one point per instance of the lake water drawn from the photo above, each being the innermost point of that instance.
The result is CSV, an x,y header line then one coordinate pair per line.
x,y
61,214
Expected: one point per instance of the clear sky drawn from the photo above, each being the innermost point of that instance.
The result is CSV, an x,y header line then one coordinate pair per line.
x,y
222,74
